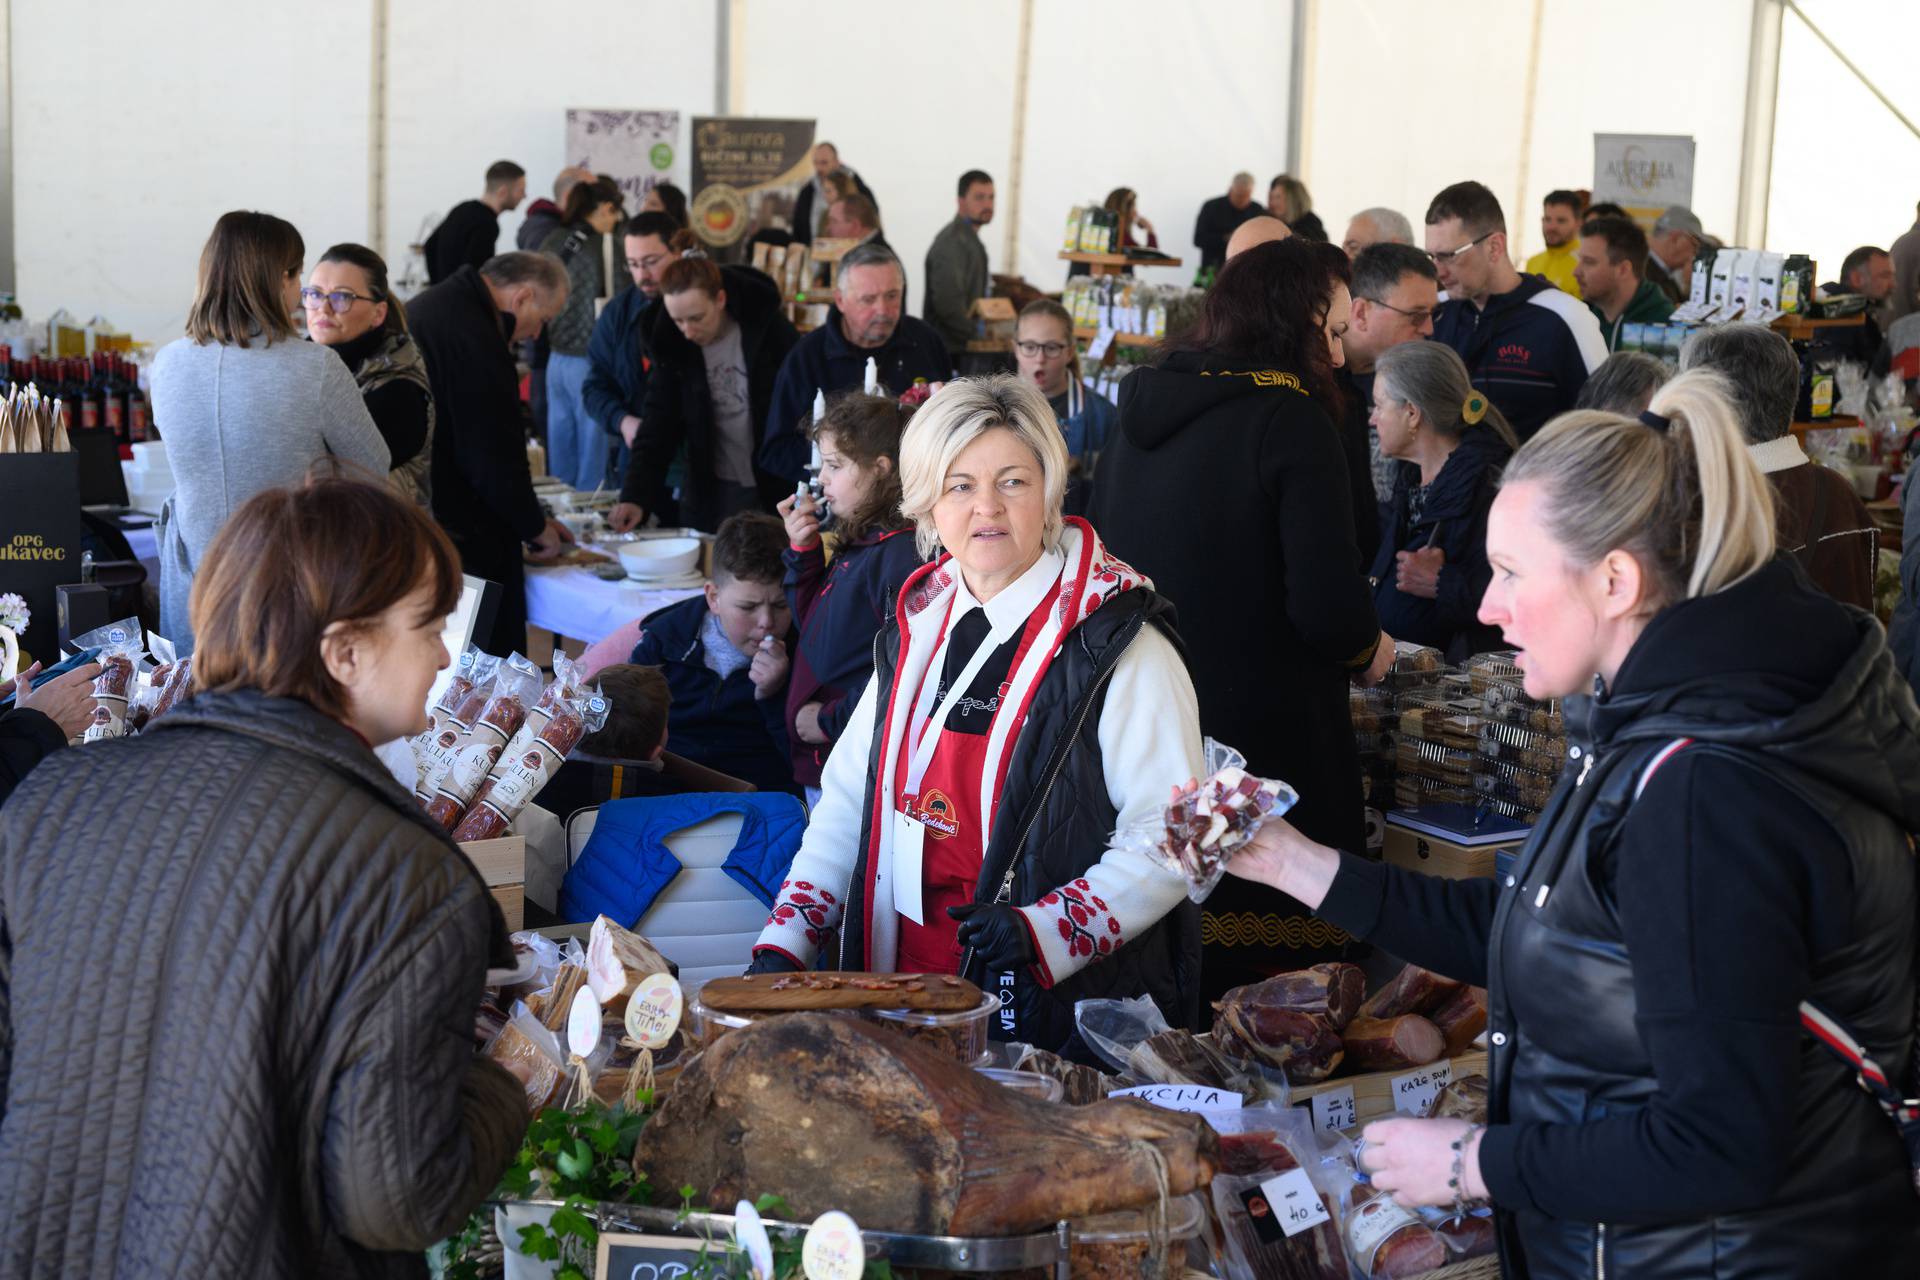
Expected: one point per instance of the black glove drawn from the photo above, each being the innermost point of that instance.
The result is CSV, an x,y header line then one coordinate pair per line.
x,y
997,933
767,960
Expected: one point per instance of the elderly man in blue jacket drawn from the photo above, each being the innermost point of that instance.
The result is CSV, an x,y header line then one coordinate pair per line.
x,y
616,384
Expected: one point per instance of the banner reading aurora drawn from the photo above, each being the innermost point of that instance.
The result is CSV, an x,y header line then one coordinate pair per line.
x,y
637,149
746,173
1643,173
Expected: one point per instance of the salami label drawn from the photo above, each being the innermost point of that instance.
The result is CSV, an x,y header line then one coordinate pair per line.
x,y
1372,1224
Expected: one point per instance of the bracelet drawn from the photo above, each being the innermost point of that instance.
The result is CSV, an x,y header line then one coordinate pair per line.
x,y
1458,1182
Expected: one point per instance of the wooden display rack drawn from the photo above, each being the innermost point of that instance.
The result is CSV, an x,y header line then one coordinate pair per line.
x,y
1798,328
1113,264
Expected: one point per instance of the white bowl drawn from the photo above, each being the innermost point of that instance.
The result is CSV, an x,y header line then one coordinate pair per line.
x,y
660,557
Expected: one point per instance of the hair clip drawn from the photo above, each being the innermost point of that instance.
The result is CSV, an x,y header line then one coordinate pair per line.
x,y
1654,420
1473,409
693,253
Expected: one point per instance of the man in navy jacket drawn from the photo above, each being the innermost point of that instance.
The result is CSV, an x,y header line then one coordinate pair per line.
x,y
1527,345
616,385
725,658
865,321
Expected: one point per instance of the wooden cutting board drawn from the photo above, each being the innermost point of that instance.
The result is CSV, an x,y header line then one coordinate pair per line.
x,y
786,992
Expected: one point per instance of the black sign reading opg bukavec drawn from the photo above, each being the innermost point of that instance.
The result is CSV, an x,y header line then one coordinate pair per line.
x,y
634,1257
39,538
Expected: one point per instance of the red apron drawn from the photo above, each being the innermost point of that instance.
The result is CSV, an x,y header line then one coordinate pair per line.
x,y
948,805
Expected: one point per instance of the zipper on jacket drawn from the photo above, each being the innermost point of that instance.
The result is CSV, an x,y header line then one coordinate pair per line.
x,y
1600,1252
1038,805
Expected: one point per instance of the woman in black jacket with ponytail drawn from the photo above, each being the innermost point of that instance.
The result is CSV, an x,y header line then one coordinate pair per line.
x,y
1729,839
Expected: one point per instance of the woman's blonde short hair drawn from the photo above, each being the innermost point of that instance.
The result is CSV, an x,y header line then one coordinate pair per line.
x,y
957,415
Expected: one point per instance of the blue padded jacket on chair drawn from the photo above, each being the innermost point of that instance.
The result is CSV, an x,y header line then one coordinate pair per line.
x,y
626,864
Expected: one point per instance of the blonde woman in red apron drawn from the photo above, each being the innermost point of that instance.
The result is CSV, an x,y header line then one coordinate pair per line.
x,y
1029,699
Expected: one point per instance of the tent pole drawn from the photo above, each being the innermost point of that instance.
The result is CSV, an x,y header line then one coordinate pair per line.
x,y
1300,86
377,134
1517,244
1763,101
1017,153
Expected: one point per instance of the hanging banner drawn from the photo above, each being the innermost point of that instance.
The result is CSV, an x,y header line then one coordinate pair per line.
x,y
746,174
637,149
1643,173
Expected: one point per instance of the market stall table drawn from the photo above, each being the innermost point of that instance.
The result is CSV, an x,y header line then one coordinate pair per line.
x,y
572,602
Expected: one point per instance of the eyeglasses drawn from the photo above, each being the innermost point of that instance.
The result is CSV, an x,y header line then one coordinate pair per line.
x,y
1048,349
1419,315
647,263
1448,255
341,300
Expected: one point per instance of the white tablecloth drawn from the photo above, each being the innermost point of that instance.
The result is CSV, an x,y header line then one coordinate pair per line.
x,y
571,602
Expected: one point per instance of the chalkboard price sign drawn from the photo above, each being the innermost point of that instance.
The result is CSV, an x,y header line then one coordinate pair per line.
x,y
628,1257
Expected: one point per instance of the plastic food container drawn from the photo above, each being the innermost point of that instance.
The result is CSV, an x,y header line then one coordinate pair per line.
x,y
705,1025
1031,1083
1119,1246
961,1036
660,557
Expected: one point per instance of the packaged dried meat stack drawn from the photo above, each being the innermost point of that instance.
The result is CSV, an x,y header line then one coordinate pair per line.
x,y
524,774
516,684
118,648
1523,745
1435,749
1371,711
566,687
460,704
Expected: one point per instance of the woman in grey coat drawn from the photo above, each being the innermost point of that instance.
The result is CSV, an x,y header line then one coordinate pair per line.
x,y
237,999
242,403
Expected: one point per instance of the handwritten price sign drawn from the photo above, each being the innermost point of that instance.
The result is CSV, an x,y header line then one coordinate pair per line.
x,y
1335,1110
1414,1092
1296,1205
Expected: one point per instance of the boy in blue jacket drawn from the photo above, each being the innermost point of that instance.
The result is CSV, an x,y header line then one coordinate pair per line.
x,y
724,655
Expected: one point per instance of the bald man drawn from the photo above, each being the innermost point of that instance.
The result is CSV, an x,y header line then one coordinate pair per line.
x,y
1255,231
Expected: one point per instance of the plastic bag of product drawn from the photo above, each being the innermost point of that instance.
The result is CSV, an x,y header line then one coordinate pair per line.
x,y
1133,1037
1271,1220
516,686
523,775
459,705
566,687
1196,835
117,647
1384,1240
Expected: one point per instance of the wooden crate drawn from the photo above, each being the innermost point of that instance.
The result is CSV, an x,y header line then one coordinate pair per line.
x,y
502,863
1374,1092
1435,856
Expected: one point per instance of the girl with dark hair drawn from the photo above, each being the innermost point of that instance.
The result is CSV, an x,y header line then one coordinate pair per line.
x,y
1226,484
577,449
840,606
245,405
351,308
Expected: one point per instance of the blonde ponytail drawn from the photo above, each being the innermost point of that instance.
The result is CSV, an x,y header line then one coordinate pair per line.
x,y
1684,498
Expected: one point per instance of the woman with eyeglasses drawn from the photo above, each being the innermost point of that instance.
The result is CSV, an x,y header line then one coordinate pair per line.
x,y
1226,482
351,309
1044,349
577,449
242,403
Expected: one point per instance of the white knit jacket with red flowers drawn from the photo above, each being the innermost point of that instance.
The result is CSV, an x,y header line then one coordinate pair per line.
x,y
1149,735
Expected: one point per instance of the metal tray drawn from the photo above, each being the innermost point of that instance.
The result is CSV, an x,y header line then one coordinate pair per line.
x,y
940,1253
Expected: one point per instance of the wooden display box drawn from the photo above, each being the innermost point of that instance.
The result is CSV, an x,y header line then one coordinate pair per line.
x,y
502,864
1436,856
1375,1092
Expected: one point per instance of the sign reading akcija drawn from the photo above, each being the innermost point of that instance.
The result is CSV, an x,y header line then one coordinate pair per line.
x,y
1643,172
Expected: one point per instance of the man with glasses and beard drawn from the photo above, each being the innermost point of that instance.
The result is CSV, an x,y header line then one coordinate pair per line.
x,y
866,321
1528,345
1395,292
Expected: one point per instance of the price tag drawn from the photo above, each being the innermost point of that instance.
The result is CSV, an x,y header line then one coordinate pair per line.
x,y
751,1235
1335,1110
833,1249
1184,1097
653,1011
583,1023
1414,1092
1097,349
1296,1205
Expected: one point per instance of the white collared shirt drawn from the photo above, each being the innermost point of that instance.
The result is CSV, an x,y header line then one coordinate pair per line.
x,y
1009,610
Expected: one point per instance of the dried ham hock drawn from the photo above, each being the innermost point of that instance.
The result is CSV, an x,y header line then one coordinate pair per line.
x,y
831,1112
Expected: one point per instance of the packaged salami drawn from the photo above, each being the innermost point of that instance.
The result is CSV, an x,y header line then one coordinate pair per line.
x,y
566,688
523,775
459,705
516,685
117,647
1384,1240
